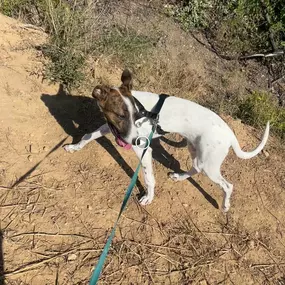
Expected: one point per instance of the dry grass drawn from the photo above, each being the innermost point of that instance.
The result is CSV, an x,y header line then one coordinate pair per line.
x,y
185,255
160,74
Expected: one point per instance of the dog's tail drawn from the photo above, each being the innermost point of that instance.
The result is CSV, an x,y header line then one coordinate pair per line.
x,y
246,155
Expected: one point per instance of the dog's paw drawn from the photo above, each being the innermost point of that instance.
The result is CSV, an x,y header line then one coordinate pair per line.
x,y
70,148
174,176
225,208
145,200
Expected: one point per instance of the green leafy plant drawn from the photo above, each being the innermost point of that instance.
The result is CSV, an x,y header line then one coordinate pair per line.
x,y
237,25
192,13
258,108
67,48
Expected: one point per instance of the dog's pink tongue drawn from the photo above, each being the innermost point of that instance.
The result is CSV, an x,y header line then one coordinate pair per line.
x,y
126,146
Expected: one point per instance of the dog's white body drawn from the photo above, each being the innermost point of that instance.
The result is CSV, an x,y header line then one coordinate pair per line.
x,y
209,139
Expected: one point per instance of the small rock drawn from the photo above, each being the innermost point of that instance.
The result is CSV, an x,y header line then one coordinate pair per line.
x,y
89,207
72,257
251,244
265,153
185,205
45,148
203,282
30,158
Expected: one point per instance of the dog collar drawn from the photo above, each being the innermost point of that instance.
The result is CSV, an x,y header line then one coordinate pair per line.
x,y
154,114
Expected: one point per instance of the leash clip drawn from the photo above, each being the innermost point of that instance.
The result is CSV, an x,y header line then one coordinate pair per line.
x,y
156,120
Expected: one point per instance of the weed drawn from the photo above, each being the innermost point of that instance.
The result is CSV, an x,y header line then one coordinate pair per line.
x,y
193,14
73,38
30,11
66,48
235,26
125,44
258,108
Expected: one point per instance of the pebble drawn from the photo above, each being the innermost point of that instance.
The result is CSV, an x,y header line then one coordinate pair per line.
x,y
251,244
71,257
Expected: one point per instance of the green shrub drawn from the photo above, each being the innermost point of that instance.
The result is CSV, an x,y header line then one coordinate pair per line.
x,y
67,47
30,11
72,37
193,14
14,8
258,108
237,25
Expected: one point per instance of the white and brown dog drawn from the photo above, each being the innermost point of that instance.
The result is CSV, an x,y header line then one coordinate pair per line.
x,y
209,137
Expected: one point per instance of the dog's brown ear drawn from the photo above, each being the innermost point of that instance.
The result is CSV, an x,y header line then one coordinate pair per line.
x,y
100,93
127,79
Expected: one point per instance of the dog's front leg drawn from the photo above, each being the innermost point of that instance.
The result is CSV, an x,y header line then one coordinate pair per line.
x,y
87,138
148,174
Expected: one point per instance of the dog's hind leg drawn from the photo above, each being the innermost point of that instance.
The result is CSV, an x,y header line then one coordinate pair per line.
x,y
211,166
87,138
194,169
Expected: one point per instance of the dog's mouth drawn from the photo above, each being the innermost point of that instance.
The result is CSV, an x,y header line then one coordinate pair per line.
x,y
119,140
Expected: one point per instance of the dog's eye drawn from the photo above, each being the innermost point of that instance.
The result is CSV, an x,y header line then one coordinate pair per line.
x,y
121,117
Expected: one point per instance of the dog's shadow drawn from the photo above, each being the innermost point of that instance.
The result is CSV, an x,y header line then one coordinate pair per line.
x,y
78,115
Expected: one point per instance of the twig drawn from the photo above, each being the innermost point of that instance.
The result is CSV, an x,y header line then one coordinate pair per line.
x,y
160,246
229,57
277,79
29,26
224,234
265,265
139,222
11,145
277,53
174,262
17,204
34,264
50,234
149,272
183,269
5,187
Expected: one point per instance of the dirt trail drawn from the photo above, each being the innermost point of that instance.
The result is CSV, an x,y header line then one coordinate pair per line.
x,y
57,216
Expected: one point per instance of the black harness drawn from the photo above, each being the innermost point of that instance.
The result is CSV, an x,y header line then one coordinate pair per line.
x,y
154,114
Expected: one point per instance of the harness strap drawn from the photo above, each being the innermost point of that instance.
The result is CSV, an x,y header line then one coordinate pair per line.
x,y
153,115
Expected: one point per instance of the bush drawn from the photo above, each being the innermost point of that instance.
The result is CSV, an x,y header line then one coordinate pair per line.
x,y
259,108
241,26
72,37
67,47
193,14
30,11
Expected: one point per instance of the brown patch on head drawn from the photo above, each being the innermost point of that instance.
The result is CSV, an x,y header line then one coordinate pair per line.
x,y
112,104
102,92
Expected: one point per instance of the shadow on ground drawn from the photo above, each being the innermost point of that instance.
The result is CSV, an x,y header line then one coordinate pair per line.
x,y
78,115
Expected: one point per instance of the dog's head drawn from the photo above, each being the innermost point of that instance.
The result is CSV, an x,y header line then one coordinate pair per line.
x,y
118,108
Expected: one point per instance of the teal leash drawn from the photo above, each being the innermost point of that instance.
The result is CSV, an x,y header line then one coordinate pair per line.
x,y
103,256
